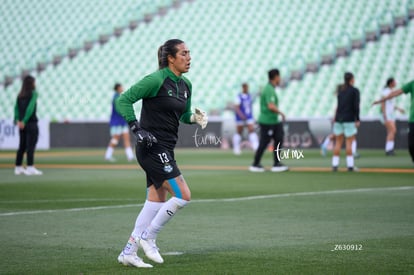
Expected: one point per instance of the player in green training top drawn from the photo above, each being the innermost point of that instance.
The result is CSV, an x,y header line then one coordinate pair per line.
x,y
26,119
270,125
166,100
408,88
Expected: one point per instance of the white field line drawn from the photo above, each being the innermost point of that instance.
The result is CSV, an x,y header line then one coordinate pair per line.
x,y
262,197
68,210
63,200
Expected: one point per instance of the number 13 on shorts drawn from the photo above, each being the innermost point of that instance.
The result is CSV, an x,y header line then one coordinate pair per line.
x,y
164,158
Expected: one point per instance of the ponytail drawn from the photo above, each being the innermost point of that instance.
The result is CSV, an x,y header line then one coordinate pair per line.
x,y
168,48
339,88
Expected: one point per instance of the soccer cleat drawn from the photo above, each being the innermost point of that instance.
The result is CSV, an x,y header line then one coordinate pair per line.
x,y
390,153
256,168
279,168
151,250
132,260
335,169
110,159
353,169
32,171
19,170
237,152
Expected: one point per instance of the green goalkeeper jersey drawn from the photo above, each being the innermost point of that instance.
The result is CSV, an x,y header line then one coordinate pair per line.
x,y
267,96
166,100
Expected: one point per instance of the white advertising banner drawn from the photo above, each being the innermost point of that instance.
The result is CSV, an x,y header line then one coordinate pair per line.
x,y
9,135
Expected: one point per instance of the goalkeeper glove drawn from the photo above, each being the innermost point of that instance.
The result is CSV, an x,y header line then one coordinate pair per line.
x,y
143,136
199,117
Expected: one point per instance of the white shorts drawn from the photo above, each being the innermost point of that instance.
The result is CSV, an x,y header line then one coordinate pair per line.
x,y
348,129
390,117
118,130
245,122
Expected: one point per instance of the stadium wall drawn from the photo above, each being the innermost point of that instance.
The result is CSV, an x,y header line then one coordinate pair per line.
x,y
9,135
79,134
298,134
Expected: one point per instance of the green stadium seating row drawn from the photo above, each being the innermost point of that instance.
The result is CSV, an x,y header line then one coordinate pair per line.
x,y
37,31
393,56
232,42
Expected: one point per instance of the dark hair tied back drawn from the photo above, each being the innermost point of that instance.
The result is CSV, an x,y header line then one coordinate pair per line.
x,y
348,76
28,86
168,48
389,81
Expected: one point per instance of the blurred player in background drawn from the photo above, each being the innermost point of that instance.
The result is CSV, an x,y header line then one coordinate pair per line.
x,y
118,126
244,118
166,100
387,116
408,88
26,119
346,121
329,140
270,125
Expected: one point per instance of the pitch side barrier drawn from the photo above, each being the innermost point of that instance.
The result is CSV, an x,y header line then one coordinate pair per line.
x,y
96,134
299,133
9,134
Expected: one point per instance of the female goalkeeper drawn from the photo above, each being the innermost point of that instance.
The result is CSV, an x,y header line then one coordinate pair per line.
x,y
166,100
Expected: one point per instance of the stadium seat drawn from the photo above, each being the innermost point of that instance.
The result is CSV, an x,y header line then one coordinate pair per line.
x,y
230,41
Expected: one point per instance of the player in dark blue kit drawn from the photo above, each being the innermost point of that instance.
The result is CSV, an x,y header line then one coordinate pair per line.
x,y
118,126
244,118
166,100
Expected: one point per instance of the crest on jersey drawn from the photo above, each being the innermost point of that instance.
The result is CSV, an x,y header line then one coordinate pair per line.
x,y
167,167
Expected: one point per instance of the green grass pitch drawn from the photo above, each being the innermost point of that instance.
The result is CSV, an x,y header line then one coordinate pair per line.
x,y
76,218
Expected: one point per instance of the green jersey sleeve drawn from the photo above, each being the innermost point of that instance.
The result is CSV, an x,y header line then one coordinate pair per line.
x,y
408,88
145,88
30,108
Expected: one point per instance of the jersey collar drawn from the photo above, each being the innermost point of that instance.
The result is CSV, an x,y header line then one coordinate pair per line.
x,y
172,75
